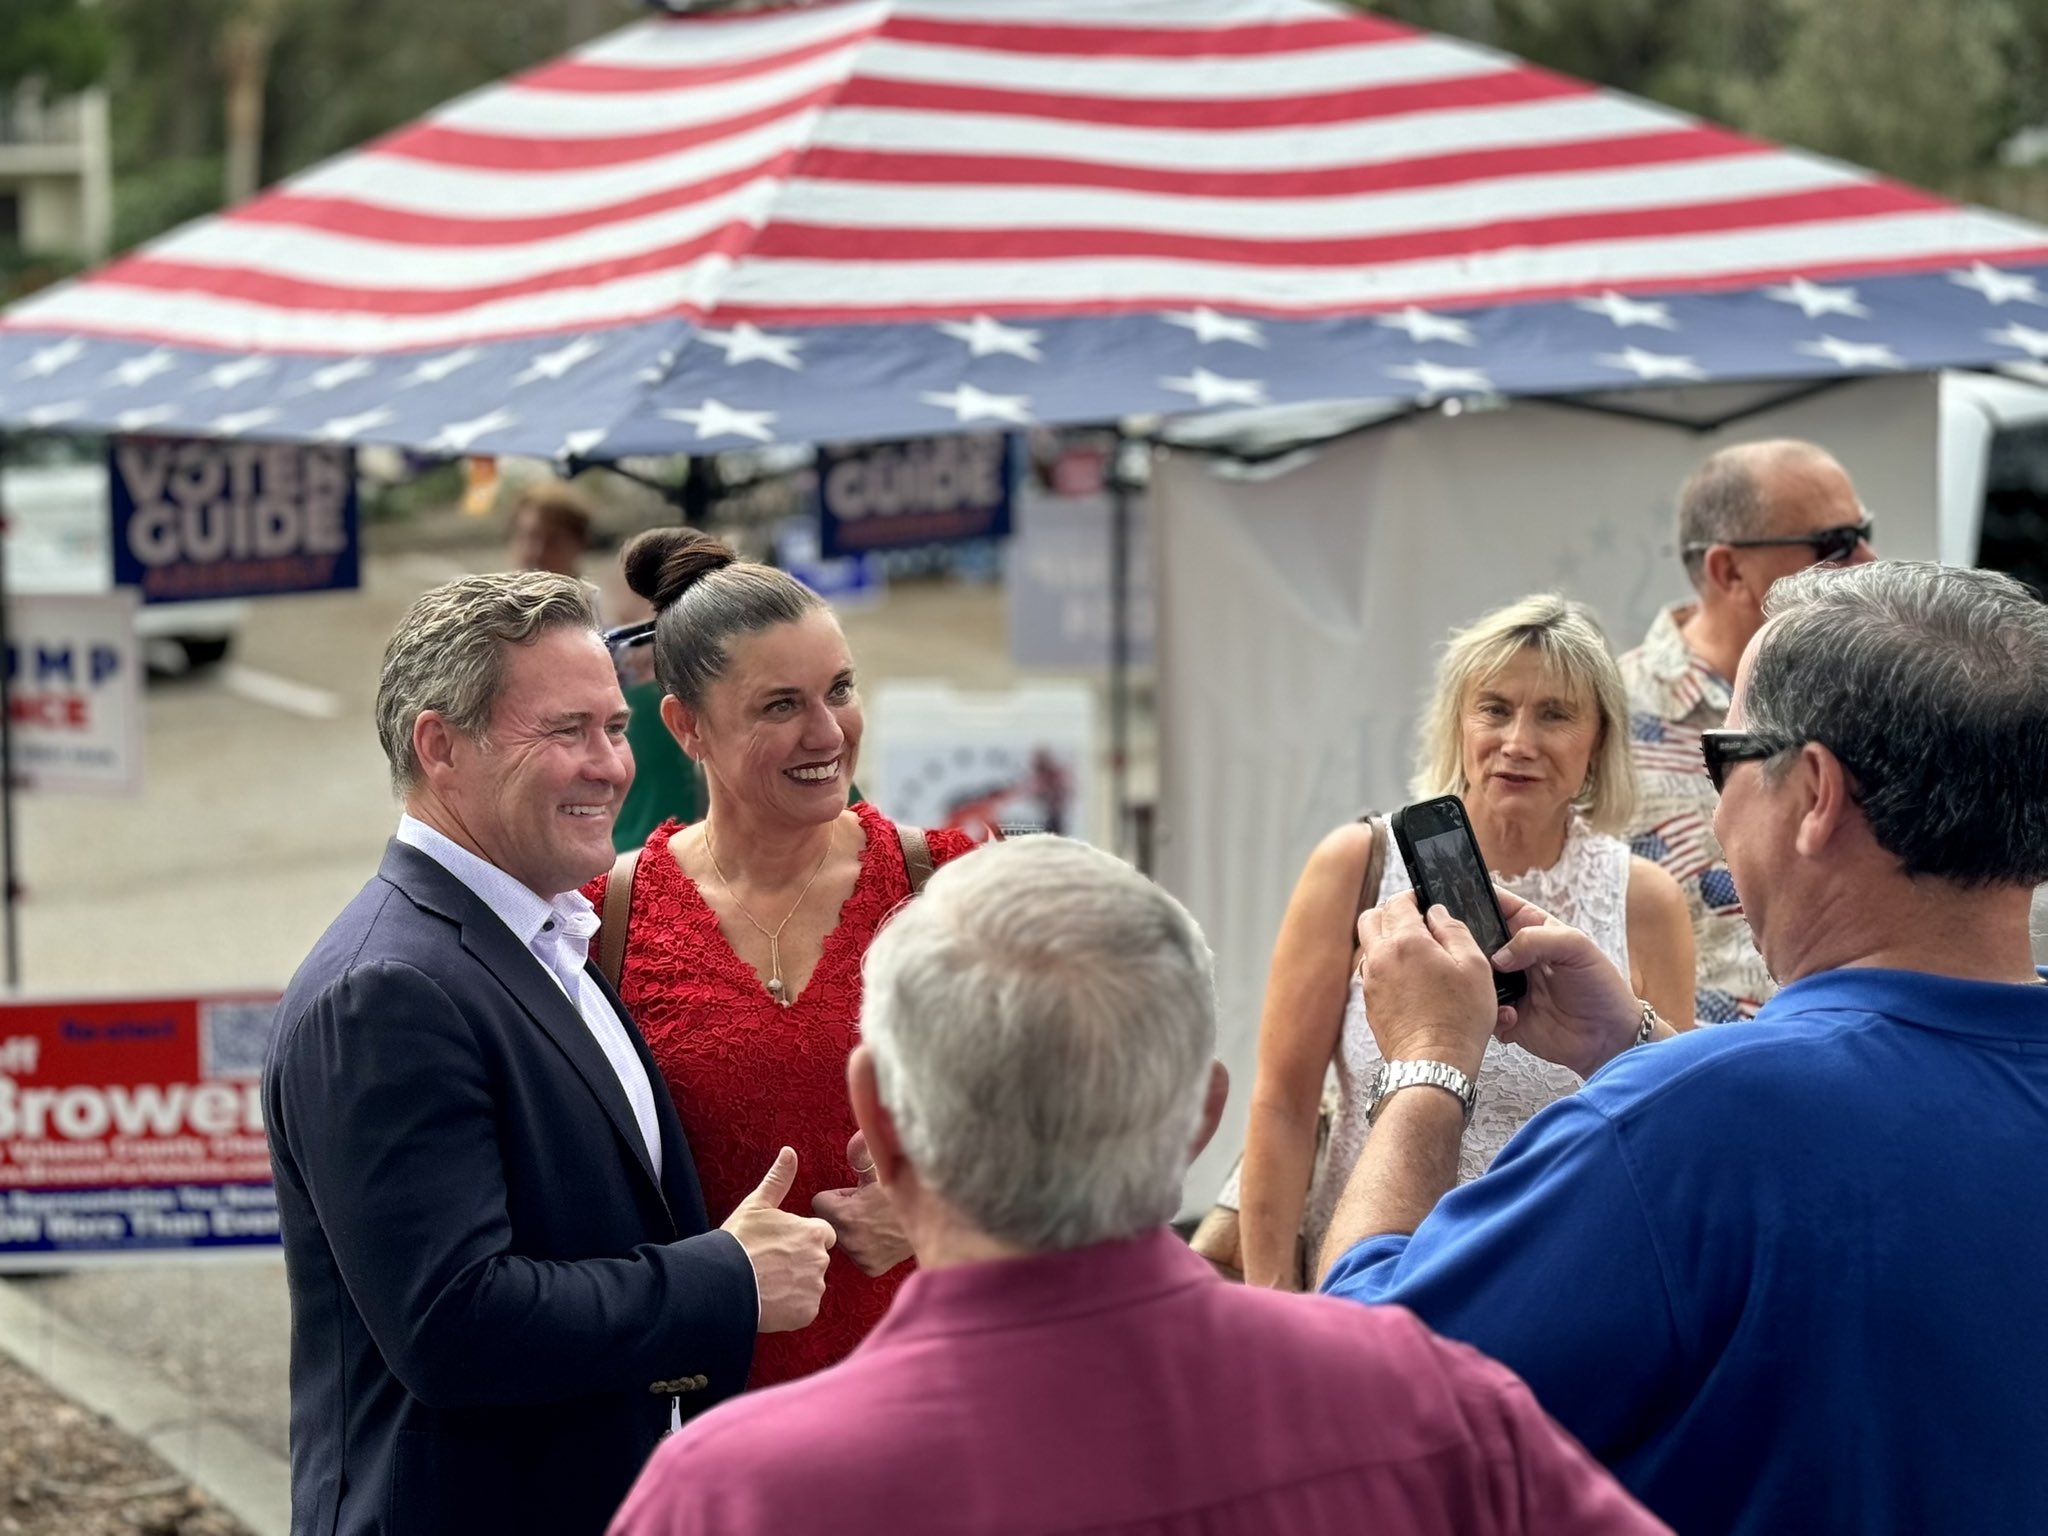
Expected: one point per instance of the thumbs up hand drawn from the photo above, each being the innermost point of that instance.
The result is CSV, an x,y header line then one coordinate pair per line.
x,y
862,1215
787,1251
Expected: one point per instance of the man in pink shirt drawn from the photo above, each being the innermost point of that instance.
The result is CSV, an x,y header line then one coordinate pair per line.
x,y
1035,1077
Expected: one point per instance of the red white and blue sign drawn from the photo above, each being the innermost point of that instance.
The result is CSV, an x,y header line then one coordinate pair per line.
x,y
198,519
892,218
74,693
133,1128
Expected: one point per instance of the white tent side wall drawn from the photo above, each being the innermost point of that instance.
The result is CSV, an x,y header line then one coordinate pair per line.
x,y
1300,619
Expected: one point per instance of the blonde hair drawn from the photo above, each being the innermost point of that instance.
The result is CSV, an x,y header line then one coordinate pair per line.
x,y
1574,649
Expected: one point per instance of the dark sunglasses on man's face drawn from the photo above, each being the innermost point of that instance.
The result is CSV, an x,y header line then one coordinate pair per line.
x,y
1722,750
1830,546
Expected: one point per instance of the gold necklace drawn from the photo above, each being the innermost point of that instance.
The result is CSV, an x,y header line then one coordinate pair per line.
x,y
774,937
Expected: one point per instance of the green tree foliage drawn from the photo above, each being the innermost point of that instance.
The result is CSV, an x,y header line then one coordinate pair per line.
x,y
1929,105
61,44
351,83
1923,90
339,72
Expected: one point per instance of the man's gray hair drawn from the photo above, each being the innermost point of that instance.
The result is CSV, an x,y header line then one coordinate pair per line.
x,y
448,654
1042,1019
1930,683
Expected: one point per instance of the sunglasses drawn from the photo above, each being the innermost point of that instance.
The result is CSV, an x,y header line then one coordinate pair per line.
x,y
626,636
1722,750
1830,546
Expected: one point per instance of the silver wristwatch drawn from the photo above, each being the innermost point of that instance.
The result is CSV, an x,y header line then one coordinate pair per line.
x,y
1646,1027
1396,1075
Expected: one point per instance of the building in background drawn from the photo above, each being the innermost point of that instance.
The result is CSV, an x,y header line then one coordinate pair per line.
x,y
56,186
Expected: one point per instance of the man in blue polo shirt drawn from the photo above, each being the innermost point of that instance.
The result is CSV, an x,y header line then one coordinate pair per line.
x,y
1786,1275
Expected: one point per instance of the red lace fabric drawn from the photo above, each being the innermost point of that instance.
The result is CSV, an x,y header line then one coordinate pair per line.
x,y
749,1076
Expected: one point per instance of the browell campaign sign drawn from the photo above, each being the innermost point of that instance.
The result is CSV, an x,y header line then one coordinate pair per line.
x,y
131,1128
926,491
196,518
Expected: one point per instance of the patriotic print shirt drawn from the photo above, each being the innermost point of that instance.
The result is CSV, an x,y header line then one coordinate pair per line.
x,y
1673,696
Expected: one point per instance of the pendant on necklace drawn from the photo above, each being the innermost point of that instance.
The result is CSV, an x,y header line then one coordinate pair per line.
x,y
775,985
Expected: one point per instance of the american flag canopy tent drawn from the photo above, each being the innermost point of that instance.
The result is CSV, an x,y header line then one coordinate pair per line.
x,y
891,217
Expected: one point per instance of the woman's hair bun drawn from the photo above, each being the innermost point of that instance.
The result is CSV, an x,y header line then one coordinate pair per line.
x,y
664,563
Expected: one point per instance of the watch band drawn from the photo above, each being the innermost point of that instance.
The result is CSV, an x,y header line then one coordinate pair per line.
x,y
1648,1026
1396,1075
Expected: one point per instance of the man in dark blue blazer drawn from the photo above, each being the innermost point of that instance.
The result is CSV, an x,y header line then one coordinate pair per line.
x,y
503,1289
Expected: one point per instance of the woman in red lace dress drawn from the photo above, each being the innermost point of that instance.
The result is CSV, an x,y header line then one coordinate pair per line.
x,y
746,930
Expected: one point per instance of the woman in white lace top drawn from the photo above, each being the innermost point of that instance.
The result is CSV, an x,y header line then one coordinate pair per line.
x,y
1529,724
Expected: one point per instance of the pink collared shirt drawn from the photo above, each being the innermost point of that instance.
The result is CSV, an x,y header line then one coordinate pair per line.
x,y
1125,1389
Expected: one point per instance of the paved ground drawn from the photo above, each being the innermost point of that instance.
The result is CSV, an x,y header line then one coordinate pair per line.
x,y
67,1472
265,809
215,1332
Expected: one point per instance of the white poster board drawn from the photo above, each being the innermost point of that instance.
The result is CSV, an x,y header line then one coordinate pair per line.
x,y
1056,578
74,690
987,763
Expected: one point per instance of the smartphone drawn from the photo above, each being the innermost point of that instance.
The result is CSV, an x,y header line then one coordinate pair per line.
x,y
1436,843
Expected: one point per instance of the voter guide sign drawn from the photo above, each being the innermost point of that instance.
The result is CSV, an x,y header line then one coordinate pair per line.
x,y
133,1128
931,490
196,518
74,693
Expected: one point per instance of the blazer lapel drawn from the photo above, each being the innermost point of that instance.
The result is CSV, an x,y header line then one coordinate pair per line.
x,y
684,1194
529,984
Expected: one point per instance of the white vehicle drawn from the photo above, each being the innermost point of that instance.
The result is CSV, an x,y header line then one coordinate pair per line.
x,y
53,493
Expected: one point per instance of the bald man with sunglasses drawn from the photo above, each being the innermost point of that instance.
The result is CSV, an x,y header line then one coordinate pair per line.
x,y
1748,517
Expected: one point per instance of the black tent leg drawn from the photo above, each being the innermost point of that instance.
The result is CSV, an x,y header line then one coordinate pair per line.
x,y
1120,648
10,885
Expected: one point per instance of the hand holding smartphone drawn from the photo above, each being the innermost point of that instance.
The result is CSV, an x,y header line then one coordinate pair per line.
x,y
1442,854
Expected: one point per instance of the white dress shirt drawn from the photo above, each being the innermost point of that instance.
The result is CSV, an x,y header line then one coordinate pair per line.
x,y
557,933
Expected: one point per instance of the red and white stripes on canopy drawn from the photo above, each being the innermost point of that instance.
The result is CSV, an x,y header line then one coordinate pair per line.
x,y
891,160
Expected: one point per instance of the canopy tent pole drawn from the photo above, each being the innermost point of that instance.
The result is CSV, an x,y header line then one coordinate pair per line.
x,y
1120,646
10,886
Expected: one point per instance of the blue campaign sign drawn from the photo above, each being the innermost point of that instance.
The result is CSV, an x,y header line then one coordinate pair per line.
x,y
934,490
196,518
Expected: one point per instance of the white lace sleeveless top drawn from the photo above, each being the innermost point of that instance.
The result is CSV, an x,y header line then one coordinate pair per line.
x,y
1588,888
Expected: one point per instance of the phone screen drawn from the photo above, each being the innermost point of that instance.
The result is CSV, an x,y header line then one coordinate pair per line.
x,y
1455,878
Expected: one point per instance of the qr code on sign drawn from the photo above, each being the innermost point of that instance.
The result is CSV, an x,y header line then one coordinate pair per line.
x,y
234,1037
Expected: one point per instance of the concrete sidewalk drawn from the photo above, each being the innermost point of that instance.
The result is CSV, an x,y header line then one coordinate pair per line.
x,y
251,1481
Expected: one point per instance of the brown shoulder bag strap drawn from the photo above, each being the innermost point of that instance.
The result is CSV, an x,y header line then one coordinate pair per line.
x,y
1375,870
618,907
917,856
